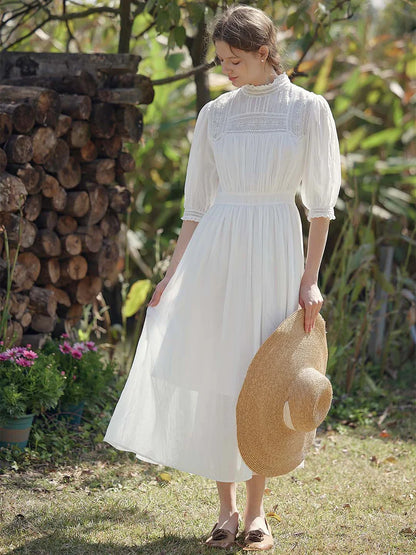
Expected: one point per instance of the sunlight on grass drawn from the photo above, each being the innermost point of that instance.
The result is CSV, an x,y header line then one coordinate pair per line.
x,y
355,495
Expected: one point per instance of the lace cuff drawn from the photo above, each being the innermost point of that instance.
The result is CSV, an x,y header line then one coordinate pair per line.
x,y
192,214
321,213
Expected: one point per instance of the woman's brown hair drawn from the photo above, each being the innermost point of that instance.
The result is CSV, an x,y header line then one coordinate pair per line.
x,y
247,28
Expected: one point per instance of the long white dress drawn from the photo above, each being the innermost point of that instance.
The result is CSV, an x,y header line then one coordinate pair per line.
x,y
253,148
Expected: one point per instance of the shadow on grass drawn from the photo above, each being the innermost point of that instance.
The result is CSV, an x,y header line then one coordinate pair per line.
x,y
62,534
59,543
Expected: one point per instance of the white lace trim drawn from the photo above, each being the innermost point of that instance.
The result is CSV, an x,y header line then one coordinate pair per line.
x,y
321,213
278,82
192,214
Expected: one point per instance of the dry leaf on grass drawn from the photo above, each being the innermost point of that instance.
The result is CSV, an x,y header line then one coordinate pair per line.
x,y
275,516
164,477
390,459
408,532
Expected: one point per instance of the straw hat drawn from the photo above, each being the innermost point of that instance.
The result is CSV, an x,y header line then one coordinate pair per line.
x,y
284,398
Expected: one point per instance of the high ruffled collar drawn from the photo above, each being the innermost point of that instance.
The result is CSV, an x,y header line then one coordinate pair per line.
x,y
278,82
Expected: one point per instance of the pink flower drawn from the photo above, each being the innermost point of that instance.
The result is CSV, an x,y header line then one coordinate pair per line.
x,y
62,373
65,348
29,354
91,345
74,377
23,362
28,346
65,335
76,353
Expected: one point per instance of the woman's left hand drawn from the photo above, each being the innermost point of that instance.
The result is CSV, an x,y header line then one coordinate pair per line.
x,y
311,300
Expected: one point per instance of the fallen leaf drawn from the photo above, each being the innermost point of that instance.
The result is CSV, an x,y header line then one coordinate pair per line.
x,y
374,459
317,478
346,506
408,532
384,433
390,459
275,516
267,491
165,476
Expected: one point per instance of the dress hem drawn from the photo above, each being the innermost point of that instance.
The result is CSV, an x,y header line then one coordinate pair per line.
x,y
173,465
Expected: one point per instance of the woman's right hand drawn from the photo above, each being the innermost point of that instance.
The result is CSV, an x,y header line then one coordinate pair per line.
x,y
157,293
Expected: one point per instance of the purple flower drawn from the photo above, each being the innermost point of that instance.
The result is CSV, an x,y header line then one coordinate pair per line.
x,y
76,353
80,347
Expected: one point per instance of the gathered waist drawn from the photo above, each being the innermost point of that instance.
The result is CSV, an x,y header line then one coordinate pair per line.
x,y
229,197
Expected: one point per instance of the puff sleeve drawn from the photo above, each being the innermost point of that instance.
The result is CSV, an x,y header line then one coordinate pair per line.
x,y
321,176
201,182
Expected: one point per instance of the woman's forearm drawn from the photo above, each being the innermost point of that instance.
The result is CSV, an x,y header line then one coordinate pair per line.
x,y
185,234
318,233
310,297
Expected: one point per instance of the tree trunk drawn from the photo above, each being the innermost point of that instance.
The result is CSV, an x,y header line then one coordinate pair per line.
x,y
197,46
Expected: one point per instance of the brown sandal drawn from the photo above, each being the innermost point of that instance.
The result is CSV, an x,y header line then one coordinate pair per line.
x,y
257,540
221,537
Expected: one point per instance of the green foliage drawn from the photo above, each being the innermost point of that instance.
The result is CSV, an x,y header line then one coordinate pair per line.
x,y
53,443
29,389
85,371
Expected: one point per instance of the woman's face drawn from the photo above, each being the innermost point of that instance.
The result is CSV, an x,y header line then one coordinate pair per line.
x,y
242,67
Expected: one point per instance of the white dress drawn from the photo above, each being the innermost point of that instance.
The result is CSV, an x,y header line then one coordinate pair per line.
x,y
239,277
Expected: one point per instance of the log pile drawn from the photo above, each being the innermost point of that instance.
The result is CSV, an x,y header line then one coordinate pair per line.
x,y
62,179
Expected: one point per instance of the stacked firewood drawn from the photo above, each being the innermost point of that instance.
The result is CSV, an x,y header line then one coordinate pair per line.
x,y
62,190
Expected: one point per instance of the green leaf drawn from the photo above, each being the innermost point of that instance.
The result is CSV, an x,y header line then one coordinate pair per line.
x,y
385,137
196,11
292,19
136,296
180,35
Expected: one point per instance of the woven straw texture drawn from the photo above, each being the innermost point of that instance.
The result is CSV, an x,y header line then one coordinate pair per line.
x,y
277,374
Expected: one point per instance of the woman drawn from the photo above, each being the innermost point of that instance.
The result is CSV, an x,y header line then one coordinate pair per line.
x,y
238,268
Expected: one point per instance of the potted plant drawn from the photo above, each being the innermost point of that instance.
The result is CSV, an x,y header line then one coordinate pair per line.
x,y
86,374
30,383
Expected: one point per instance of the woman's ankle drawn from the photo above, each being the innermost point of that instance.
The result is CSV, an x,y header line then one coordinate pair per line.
x,y
228,513
251,514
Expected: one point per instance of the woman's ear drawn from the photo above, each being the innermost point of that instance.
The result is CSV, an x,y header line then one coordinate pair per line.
x,y
263,52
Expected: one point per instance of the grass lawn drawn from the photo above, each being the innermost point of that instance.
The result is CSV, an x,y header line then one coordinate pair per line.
x,y
355,495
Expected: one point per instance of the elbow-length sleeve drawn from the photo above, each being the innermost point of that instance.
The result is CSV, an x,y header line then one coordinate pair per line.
x,y
201,182
321,176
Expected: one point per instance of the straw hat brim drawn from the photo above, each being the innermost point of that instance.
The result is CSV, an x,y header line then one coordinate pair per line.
x,y
266,444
